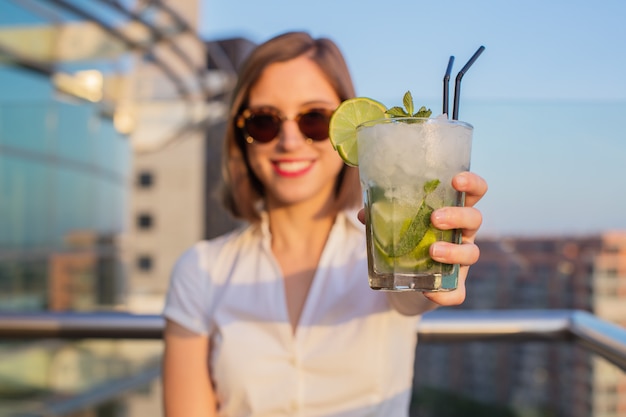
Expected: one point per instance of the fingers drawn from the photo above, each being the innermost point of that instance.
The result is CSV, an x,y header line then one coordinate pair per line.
x,y
455,297
361,216
472,185
449,253
451,298
468,219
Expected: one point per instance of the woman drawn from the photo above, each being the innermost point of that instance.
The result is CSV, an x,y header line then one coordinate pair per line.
x,y
277,318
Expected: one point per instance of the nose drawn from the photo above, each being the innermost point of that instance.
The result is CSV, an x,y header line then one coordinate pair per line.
x,y
290,137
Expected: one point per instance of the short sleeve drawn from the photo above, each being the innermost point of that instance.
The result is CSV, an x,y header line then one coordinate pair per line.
x,y
188,301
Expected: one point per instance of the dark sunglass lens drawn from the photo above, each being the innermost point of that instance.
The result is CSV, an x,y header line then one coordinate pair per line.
x,y
314,125
263,127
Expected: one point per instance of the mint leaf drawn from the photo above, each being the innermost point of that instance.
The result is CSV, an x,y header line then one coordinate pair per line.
x,y
397,112
414,233
407,100
417,228
431,186
409,108
423,112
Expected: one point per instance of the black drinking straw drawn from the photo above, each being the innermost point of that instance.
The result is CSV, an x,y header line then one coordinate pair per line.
x,y
446,85
457,85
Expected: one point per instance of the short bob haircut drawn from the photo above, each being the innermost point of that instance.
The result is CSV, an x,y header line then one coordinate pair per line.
x,y
242,191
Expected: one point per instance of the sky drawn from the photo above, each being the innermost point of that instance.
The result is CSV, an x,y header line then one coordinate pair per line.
x,y
547,97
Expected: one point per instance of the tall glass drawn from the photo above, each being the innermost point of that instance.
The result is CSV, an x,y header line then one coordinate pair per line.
x,y
406,167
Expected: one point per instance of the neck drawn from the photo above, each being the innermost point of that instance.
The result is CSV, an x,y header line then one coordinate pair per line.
x,y
300,226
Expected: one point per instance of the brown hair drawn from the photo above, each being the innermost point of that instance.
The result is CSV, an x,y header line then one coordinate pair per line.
x,y
242,190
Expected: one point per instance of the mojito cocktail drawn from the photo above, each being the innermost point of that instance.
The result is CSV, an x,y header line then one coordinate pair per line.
x,y
406,166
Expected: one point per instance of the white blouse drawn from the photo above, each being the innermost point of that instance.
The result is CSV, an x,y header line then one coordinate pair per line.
x,y
351,354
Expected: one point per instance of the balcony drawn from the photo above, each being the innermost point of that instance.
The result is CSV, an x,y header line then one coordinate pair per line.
x,y
116,370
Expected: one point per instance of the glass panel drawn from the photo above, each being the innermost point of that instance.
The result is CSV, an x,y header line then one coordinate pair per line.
x,y
63,378
22,126
74,136
25,187
19,86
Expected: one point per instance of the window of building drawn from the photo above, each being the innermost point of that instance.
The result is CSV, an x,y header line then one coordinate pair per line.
x,y
145,179
145,263
145,221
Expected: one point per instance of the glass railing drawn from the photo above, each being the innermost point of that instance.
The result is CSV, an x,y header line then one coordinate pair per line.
x,y
514,363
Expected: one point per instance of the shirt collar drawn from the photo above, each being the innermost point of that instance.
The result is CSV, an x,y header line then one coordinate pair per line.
x,y
346,218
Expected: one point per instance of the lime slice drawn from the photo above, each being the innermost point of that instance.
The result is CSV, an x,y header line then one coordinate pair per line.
x,y
344,121
416,260
390,222
421,251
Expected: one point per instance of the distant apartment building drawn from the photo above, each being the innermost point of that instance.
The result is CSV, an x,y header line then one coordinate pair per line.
x,y
175,187
535,378
609,283
609,303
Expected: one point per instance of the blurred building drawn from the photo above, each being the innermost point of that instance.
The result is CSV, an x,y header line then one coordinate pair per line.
x,y
535,379
64,165
107,109
175,187
111,121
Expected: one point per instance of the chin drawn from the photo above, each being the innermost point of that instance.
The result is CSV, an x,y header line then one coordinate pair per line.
x,y
291,198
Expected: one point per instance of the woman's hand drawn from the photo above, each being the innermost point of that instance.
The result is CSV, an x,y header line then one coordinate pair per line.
x,y
466,218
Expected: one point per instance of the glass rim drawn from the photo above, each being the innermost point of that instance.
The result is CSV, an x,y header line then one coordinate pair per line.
x,y
427,120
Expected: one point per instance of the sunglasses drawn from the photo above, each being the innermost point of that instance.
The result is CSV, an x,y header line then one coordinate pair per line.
x,y
263,124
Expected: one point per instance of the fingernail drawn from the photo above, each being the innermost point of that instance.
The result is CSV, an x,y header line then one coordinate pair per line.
x,y
437,251
440,217
461,181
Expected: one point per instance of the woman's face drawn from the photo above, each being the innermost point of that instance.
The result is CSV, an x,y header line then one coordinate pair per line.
x,y
293,170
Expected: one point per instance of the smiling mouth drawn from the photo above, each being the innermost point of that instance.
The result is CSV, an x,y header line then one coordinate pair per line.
x,y
292,168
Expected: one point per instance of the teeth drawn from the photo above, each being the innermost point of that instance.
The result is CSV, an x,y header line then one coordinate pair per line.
x,y
294,166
